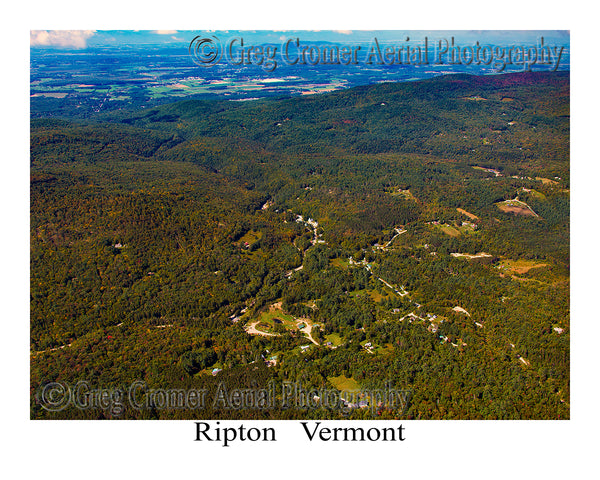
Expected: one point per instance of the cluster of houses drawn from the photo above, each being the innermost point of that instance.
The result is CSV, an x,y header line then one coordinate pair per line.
x,y
314,225
463,223
359,404
355,400
433,326
369,347
270,361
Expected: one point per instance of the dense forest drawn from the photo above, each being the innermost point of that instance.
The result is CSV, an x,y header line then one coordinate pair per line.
x,y
413,234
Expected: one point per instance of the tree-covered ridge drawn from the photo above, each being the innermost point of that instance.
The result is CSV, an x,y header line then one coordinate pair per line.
x,y
161,238
446,116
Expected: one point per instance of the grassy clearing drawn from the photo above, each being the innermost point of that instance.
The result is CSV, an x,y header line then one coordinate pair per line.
x,y
475,98
334,338
159,90
449,230
51,94
455,230
488,170
265,327
250,237
270,317
344,384
384,350
535,194
340,263
471,257
546,181
470,215
520,266
358,293
271,321
375,295
517,207
399,192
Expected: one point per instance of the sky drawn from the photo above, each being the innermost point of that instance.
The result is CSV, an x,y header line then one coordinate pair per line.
x,y
81,39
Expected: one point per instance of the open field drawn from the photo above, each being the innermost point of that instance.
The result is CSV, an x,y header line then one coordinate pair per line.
x,y
534,193
334,338
546,181
250,237
377,296
399,192
276,316
517,207
344,384
384,349
489,170
51,94
267,321
252,329
475,98
450,230
455,230
520,266
340,263
372,293
470,215
469,256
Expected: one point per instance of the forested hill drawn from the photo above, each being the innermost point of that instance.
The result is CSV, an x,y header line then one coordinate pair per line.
x,y
389,117
503,121
169,241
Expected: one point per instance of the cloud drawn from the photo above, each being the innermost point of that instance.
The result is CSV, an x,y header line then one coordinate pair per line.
x,y
165,32
344,32
60,38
